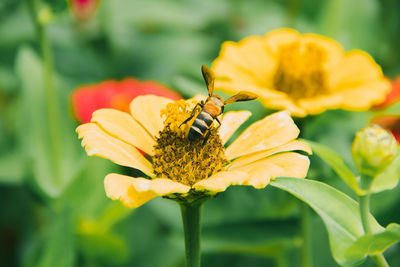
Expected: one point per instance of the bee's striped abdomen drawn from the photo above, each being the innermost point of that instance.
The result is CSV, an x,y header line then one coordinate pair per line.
x,y
200,125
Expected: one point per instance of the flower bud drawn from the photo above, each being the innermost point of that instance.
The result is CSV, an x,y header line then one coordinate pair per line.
x,y
83,9
45,15
373,150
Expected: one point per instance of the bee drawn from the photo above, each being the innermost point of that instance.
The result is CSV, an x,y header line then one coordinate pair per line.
x,y
212,107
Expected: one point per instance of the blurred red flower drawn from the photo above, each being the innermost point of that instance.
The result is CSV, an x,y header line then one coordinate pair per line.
x,y
83,9
393,96
389,122
114,94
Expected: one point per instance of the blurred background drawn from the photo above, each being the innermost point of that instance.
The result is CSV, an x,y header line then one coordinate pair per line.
x,y
53,209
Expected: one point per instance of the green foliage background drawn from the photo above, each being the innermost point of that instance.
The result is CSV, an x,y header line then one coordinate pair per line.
x,y
64,219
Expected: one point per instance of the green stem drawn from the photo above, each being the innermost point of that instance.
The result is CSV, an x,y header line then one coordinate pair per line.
x,y
306,249
51,94
364,213
364,201
380,260
191,215
280,260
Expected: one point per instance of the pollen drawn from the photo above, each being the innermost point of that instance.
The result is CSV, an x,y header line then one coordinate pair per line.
x,y
182,160
300,72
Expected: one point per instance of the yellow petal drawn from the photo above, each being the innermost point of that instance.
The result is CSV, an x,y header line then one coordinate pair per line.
x,y
134,192
249,56
98,143
146,110
334,51
363,97
230,122
270,98
287,103
272,131
291,146
356,68
122,126
319,104
226,71
285,164
221,180
275,39
234,86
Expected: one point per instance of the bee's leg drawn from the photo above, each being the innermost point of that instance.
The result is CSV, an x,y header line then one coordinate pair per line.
x,y
206,137
208,132
219,123
201,104
185,121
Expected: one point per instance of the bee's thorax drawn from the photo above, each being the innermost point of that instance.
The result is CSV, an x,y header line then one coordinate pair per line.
x,y
214,105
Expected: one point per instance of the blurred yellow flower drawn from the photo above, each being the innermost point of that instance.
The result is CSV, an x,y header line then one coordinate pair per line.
x,y
182,169
303,73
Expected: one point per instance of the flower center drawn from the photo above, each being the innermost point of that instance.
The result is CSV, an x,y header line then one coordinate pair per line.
x,y
182,160
300,72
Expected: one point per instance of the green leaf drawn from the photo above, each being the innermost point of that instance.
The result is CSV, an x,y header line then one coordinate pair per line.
x,y
339,212
274,205
393,109
103,247
389,178
90,179
374,244
187,86
352,23
22,28
8,79
52,174
336,162
59,248
96,215
11,169
263,238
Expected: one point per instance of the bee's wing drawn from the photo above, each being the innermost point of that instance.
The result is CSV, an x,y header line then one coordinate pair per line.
x,y
209,78
241,96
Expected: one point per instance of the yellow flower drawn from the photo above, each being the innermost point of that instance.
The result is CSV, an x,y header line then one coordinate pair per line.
x,y
181,169
302,73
